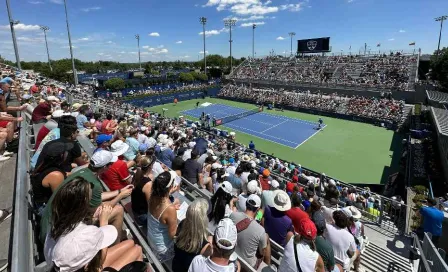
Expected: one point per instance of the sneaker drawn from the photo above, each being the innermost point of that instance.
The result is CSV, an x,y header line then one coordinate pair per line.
x,y
3,158
5,215
7,154
3,264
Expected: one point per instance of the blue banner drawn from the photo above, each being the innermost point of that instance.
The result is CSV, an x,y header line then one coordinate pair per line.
x,y
169,98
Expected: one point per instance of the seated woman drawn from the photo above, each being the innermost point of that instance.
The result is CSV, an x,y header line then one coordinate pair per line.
x,y
72,230
223,204
143,180
162,217
192,236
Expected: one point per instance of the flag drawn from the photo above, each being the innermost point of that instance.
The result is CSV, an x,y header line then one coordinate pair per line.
x,y
378,45
412,43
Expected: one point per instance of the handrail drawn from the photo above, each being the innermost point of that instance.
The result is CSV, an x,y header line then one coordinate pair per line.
x,y
22,233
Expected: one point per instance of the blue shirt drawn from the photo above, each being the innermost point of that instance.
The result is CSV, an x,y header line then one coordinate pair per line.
x,y
132,151
81,119
277,225
251,145
432,220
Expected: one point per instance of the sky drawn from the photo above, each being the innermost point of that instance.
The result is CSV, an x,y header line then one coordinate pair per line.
x,y
170,29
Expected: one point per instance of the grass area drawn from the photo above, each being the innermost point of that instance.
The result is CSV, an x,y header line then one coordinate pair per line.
x,y
350,151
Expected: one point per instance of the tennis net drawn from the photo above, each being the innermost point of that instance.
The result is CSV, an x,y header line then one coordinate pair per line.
x,y
237,116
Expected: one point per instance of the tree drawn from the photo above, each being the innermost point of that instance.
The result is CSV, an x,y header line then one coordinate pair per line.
x,y
439,66
186,77
199,76
115,83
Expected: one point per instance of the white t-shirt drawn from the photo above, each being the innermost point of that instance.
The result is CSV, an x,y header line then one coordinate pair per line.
x,y
203,264
187,154
157,169
307,258
341,240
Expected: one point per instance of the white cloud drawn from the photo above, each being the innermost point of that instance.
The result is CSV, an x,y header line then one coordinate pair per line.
x,y
292,7
100,54
35,2
250,24
402,31
160,46
185,57
280,38
245,9
59,2
84,39
391,39
67,47
162,51
21,27
179,42
154,34
109,42
209,33
202,52
145,46
90,9
158,50
122,52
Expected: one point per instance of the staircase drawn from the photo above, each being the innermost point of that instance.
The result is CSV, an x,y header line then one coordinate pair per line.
x,y
376,259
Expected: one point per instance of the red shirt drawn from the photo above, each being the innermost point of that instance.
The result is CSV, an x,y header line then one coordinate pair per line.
x,y
290,186
116,175
40,136
296,214
41,112
104,125
264,183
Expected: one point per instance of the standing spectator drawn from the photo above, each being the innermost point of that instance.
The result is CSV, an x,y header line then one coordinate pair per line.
x,y
323,247
296,213
224,242
300,252
277,224
162,217
42,112
253,242
265,179
142,190
432,220
192,236
235,178
193,171
343,242
73,242
251,145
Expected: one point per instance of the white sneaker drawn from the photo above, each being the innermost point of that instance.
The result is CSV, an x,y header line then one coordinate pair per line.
x,y
7,154
3,158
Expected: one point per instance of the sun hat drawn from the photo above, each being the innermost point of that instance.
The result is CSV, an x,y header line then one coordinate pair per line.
x,y
103,138
245,158
252,187
281,201
347,212
216,166
356,214
307,229
227,187
226,231
77,248
76,106
102,158
255,200
119,147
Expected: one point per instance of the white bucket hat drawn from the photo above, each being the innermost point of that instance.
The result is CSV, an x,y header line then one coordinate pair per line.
x,y
118,148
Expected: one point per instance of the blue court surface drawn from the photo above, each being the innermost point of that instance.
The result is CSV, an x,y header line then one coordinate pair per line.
x,y
278,129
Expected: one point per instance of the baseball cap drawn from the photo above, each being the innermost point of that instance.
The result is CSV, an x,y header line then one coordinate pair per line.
x,y
254,200
57,114
227,187
101,158
307,229
52,98
143,147
266,173
274,184
252,187
77,248
281,200
103,138
319,220
332,182
226,232
231,160
7,80
306,204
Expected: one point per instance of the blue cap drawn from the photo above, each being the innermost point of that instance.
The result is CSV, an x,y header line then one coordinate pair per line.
x,y
260,171
143,147
306,204
7,80
231,160
102,138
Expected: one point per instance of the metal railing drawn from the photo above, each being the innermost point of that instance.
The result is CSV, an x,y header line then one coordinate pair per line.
x,y
431,259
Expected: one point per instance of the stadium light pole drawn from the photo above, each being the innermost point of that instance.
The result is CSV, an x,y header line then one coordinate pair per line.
x,y
138,45
203,21
253,40
75,77
13,34
45,29
229,23
440,19
291,34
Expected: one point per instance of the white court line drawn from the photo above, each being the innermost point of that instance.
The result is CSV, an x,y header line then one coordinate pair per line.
x,y
275,126
281,139
264,123
290,119
310,137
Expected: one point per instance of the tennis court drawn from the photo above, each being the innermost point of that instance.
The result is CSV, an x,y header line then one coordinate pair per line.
x,y
282,130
